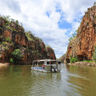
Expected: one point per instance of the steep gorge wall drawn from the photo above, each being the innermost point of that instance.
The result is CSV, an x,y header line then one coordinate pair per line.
x,y
82,46
14,41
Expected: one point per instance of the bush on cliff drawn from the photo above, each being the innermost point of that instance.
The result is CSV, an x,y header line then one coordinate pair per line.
x,y
89,61
29,36
8,39
94,54
17,54
73,59
11,60
73,36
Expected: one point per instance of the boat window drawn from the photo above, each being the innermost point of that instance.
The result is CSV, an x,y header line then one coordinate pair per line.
x,y
47,62
59,62
34,63
41,62
53,62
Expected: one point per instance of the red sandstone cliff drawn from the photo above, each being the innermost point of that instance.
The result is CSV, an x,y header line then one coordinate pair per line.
x,y
20,47
82,46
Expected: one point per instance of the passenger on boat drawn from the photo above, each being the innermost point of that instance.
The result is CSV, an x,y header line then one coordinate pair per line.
x,y
43,66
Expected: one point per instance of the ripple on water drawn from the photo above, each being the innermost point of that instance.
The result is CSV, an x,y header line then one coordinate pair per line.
x,y
71,81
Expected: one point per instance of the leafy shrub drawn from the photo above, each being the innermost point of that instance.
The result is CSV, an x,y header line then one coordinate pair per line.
x,y
4,43
17,53
29,36
8,27
94,54
17,22
8,39
11,60
5,48
73,59
7,18
73,36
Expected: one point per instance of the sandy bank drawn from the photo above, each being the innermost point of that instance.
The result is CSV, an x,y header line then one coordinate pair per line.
x,y
93,64
4,65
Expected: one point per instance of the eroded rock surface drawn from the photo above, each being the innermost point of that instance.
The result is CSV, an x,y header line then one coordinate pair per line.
x,y
20,47
82,46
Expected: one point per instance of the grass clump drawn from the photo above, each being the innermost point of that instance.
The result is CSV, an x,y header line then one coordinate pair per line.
x,y
73,59
29,36
94,55
73,36
89,61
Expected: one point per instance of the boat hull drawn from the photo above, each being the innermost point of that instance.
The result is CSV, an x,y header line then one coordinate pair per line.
x,y
46,69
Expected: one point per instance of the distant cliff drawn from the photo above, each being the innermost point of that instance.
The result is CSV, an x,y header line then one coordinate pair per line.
x,y
83,44
20,47
62,58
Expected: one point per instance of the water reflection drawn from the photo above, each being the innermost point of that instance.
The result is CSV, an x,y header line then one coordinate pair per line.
x,y
3,69
85,81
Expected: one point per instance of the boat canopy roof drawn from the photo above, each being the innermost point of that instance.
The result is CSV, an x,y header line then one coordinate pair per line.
x,y
46,60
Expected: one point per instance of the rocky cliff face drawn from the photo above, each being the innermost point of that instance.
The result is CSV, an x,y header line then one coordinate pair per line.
x,y
62,58
82,45
20,47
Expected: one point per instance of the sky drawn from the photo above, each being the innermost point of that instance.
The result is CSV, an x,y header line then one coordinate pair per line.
x,y
54,21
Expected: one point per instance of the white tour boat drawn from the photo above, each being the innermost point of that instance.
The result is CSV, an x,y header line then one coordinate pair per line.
x,y
46,65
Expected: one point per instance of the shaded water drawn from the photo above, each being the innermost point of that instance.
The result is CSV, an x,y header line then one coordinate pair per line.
x,y
72,81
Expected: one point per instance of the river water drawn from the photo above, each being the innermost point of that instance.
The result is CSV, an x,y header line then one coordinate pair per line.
x,y
71,81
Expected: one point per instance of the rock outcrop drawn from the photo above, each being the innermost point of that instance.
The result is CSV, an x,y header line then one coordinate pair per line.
x,y
83,44
20,47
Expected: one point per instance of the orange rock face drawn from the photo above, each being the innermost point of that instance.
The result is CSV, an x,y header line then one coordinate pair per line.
x,y
21,39
7,34
20,47
82,46
50,53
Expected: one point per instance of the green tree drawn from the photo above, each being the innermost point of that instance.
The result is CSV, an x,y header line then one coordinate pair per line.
x,y
73,59
11,60
17,22
17,53
8,39
29,36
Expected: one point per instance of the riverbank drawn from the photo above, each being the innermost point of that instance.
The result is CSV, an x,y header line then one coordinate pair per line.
x,y
93,64
4,65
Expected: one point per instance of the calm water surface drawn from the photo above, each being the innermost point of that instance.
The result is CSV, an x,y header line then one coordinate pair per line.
x,y
72,81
